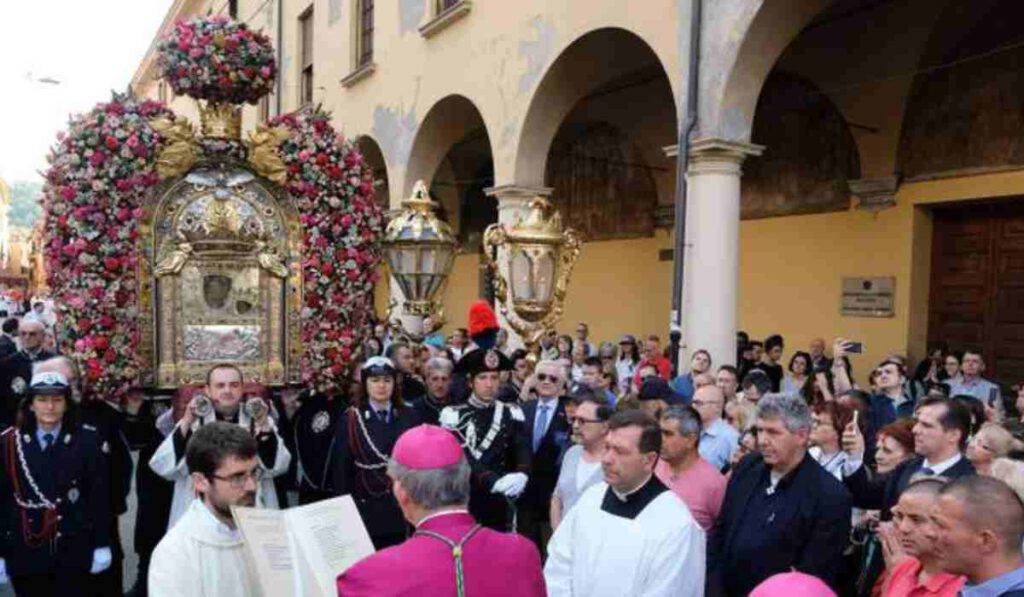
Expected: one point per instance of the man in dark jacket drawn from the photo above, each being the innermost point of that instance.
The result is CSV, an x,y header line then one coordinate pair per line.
x,y
548,432
940,437
782,510
16,368
7,344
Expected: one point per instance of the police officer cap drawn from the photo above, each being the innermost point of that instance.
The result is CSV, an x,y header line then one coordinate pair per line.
x,y
48,383
483,361
377,367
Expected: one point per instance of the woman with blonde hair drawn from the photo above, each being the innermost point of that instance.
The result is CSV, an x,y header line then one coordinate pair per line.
x,y
991,442
1010,472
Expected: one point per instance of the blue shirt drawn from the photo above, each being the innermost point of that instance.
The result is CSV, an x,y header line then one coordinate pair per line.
x,y
54,433
610,396
717,443
979,388
1013,580
683,385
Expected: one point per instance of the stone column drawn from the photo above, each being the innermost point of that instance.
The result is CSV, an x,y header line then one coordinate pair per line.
x,y
712,248
513,203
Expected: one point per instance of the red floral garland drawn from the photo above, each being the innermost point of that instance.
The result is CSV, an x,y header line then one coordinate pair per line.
x,y
97,180
333,190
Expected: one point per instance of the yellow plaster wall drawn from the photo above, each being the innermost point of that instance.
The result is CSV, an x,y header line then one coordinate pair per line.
x,y
617,287
791,268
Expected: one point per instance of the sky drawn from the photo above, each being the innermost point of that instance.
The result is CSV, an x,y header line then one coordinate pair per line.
x,y
90,46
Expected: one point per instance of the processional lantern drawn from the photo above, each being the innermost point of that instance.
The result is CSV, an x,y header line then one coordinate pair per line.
x,y
540,254
420,251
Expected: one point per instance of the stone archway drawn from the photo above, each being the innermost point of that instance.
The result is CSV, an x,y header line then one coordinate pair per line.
x,y
374,157
738,50
452,154
593,62
449,121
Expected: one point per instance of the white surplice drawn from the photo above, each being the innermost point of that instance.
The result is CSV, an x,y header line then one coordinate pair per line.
x,y
658,551
165,464
201,557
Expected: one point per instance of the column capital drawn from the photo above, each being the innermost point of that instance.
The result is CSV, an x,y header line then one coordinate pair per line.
x,y
515,192
875,194
716,155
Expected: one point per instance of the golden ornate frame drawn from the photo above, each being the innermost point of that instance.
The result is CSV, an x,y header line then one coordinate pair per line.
x,y
162,318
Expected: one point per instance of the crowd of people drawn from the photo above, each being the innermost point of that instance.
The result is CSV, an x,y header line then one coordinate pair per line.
x,y
582,469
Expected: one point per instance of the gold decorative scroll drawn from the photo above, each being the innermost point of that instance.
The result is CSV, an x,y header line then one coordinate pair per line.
x,y
264,157
180,150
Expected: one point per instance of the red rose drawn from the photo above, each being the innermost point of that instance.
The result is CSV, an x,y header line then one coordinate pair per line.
x,y
112,263
84,325
100,342
107,321
327,268
110,356
111,142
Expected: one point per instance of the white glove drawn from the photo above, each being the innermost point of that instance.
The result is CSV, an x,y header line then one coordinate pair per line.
x,y
511,485
101,559
4,579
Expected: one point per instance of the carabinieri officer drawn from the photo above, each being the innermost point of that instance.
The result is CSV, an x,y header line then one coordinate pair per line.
x,y
54,500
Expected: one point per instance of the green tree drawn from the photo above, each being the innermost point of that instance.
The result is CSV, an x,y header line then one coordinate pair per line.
x,y
25,203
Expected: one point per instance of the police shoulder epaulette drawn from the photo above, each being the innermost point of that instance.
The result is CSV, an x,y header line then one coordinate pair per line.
x,y
517,413
88,427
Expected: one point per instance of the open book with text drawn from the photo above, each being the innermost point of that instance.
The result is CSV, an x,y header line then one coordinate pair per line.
x,y
301,551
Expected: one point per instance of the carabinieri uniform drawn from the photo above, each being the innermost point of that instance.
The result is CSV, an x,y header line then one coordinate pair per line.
x,y
494,439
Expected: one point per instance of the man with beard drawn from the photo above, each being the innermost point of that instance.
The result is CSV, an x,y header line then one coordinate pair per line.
x,y
203,554
492,434
224,390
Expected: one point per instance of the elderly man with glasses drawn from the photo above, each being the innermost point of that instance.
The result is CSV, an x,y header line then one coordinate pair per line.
x,y
16,369
548,430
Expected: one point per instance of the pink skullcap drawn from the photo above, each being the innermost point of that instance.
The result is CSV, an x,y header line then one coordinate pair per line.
x,y
792,584
427,447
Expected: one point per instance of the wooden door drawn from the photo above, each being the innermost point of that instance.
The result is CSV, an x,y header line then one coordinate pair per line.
x,y
977,285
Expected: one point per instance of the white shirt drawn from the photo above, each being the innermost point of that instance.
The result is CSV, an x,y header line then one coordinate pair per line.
x,y
201,557
941,467
594,553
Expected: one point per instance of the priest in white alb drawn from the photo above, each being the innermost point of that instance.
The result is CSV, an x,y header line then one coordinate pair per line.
x,y
631,535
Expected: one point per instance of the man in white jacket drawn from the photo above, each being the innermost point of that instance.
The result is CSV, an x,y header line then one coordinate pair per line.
x,y
224,389
203,553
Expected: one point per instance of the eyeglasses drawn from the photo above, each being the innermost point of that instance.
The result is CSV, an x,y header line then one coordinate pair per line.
x,y
238,480
582,421
546,377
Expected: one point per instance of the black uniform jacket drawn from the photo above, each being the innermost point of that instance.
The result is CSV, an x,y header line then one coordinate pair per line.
x,y
359,465
72,475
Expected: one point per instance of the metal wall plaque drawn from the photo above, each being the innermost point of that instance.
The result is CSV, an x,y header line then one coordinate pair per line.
x,y
868,297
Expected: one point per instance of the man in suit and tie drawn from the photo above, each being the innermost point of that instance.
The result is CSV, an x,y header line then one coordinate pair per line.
x,y
548,430
940,430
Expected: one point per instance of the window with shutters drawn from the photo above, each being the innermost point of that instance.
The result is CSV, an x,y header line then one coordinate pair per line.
x,y
306,57
365,33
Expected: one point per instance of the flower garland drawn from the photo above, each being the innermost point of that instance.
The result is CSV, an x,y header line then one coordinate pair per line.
x,y
332,188
99,173
219,60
